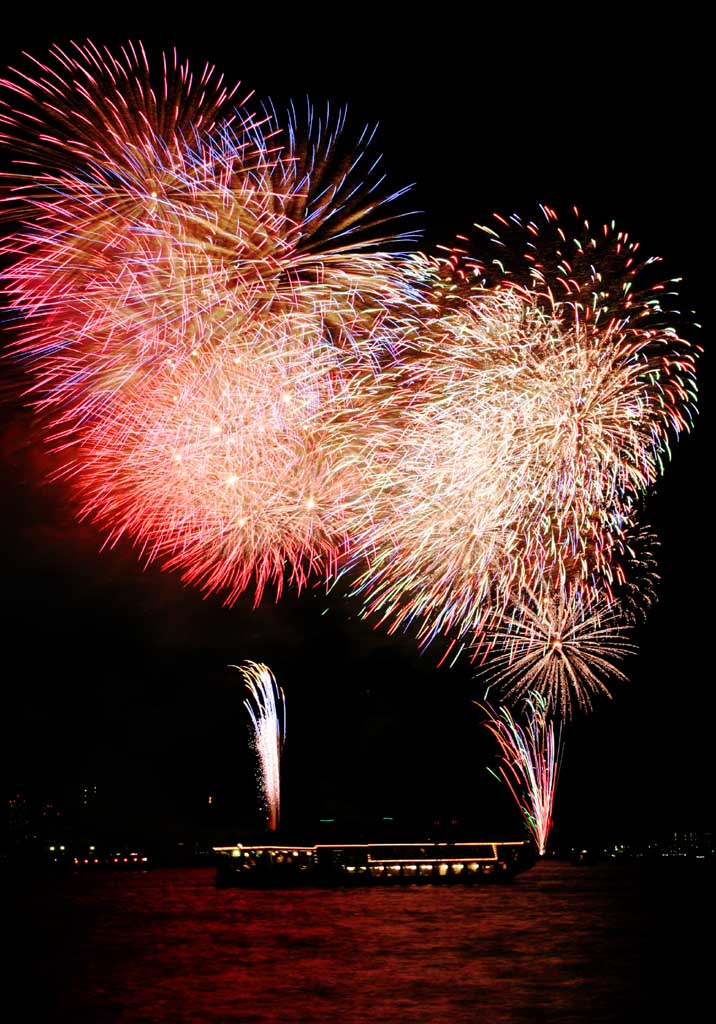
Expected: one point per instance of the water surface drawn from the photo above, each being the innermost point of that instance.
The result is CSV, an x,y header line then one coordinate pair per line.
x,y
561,943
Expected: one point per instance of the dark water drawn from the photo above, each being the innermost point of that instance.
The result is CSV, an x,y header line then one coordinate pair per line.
x,y
605,943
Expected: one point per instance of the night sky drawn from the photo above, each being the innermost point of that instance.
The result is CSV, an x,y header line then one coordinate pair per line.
x,y
117,676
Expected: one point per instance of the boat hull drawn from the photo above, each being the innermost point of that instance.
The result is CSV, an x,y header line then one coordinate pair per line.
x,y
370,864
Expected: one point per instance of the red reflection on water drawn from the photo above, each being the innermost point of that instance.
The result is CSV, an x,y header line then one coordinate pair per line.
x,y
559,944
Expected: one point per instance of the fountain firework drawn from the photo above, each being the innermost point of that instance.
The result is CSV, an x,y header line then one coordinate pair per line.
x,y
267,710
530,757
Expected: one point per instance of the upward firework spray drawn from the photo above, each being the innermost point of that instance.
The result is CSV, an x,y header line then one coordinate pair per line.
x,y
266,707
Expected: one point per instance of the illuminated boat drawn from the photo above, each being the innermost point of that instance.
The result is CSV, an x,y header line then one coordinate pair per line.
x,y
370,864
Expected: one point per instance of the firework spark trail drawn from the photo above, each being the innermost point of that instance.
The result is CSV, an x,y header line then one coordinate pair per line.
x,y
530,758
242,461
599,280
267,710
87,106
199,311
438,546
478,466
539,411
238,473
106,249
565,651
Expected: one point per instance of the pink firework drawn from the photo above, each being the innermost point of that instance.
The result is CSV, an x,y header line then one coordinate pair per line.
x,y
198,313
529,761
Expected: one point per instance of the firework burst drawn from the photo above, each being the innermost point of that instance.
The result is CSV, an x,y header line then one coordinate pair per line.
x,y
555,647
196,331
245,377
531,416
439,547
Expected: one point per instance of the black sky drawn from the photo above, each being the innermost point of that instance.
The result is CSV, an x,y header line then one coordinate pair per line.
x,y
119,675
